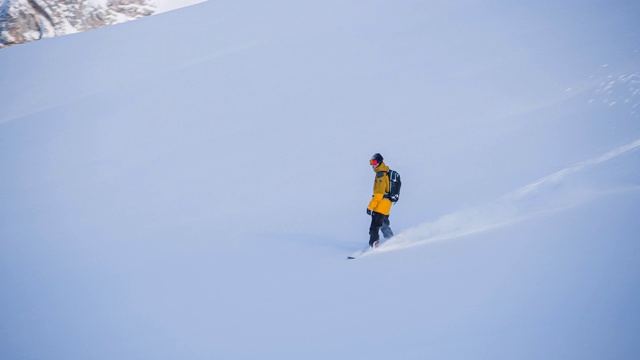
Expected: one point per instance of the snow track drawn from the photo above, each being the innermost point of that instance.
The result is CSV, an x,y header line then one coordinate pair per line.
x,y
541,196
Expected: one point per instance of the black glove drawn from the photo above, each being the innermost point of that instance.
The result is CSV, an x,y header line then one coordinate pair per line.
x,y
368,211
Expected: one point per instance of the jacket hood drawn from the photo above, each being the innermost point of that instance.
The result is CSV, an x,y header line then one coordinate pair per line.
x,y
381,167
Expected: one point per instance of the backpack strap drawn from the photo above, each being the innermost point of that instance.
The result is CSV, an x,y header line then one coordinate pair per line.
x,y
380,174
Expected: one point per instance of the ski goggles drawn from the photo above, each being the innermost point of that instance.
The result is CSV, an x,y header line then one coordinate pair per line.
x,y
374,162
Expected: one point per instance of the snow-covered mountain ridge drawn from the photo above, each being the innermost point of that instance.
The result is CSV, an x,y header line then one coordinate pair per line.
x,y
28,20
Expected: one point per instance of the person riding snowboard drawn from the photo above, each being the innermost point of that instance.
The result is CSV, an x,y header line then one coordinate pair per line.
x,y
380,204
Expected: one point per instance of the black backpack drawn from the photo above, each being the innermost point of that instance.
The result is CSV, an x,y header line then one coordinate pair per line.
x,y
394,186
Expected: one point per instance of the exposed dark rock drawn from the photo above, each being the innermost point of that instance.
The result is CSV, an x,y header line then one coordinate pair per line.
x,y
28,20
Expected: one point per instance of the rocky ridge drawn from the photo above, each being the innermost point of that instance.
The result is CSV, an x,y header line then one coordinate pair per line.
x,y
29,20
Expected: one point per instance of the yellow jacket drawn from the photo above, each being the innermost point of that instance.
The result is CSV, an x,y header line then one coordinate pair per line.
x,y
378,202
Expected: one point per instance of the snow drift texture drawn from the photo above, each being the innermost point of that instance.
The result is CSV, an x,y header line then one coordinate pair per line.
x,y
188,186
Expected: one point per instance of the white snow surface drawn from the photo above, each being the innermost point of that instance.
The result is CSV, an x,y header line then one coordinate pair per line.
x,y
188,186
168,5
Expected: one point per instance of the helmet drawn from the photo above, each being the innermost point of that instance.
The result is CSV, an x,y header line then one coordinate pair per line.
x,y
376,159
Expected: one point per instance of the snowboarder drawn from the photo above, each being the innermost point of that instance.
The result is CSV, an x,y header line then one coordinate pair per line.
x,y
380,204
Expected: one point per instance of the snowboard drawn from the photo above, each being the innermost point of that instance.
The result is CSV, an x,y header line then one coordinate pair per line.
x,y
363,252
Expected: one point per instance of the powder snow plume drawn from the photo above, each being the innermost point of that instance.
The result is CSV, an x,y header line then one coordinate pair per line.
x,y
544,195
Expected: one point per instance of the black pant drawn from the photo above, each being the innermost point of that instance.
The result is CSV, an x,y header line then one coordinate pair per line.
x,y
379,222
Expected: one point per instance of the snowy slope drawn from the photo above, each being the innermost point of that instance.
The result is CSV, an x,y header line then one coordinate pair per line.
x,y
187,186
